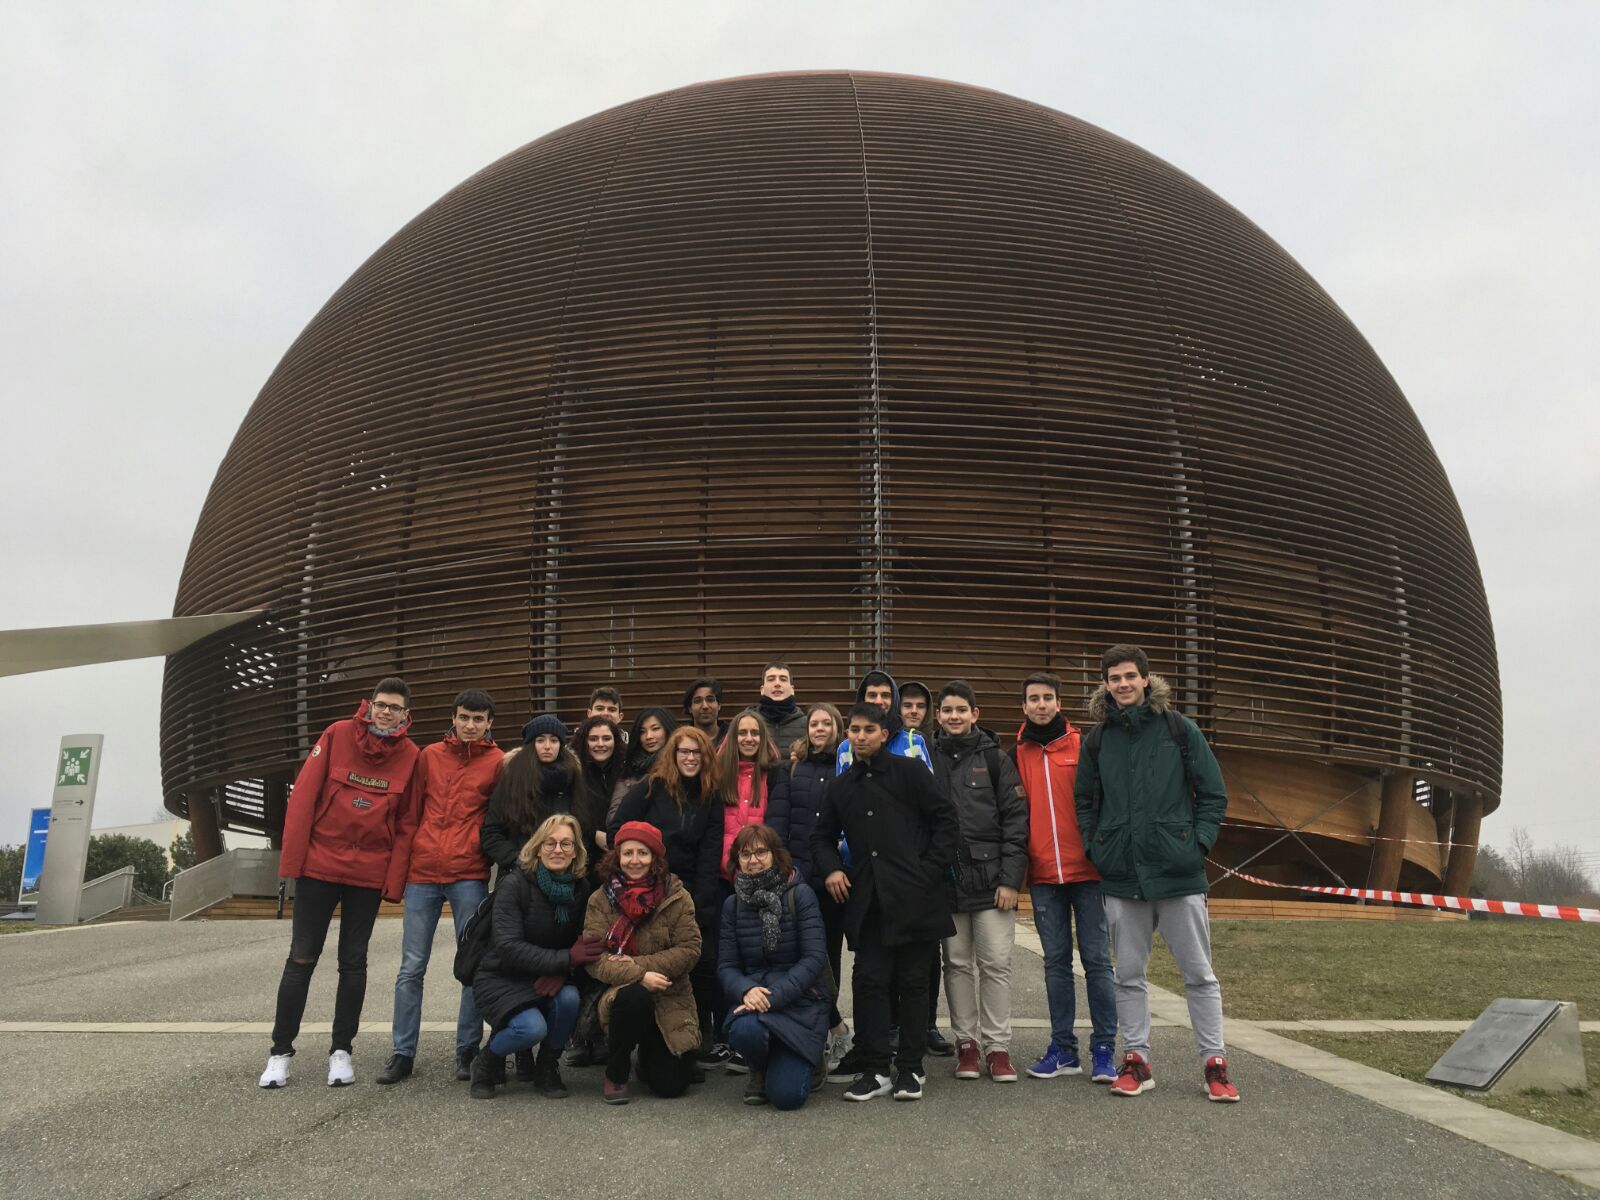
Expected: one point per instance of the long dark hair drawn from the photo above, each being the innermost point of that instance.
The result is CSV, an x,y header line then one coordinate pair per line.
x,y
519,796
640,760
610,770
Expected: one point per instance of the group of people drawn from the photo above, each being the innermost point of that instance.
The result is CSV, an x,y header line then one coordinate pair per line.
x,y
675,897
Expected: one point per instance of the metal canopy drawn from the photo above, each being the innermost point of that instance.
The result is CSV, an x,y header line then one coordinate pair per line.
x,y
26,650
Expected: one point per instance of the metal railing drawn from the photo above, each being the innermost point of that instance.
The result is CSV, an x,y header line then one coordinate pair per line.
x,y
250,871
106,894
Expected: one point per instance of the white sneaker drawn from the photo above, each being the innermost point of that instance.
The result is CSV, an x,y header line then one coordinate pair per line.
x,y
277,1072
341,1071
839,1045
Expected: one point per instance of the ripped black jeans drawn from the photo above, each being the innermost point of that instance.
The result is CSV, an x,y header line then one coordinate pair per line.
x,y
314,902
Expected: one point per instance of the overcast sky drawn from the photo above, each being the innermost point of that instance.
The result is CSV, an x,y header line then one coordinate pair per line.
x,y
183,185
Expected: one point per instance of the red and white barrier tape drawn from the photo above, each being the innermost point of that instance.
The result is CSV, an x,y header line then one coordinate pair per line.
x,y
1509,908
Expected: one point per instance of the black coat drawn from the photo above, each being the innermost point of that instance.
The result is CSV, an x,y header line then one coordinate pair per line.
x,y
806,782
993,814
903,837
693,839
503,835
793,971
526,942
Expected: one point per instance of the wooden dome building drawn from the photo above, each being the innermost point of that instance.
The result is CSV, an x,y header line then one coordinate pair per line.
x,y
854,369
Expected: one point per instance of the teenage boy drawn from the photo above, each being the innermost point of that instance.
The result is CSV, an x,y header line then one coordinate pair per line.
x,y
1149,816
916,710
897,893
702,702
1064,886
346,843
992,861
777,705
453,781
605,701
878,687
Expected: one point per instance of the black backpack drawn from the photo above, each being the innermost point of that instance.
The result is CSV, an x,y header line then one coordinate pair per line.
x,y
474,941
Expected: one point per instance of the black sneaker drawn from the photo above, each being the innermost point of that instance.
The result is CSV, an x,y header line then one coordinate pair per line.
x,y
938,1046
525,1066
868,1086
396,1069
736,1064
908,1085
483,1074
847,1069
547,1075
715,1055
463,1064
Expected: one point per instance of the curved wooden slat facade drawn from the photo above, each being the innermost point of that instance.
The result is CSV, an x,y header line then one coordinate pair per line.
x,y
852,369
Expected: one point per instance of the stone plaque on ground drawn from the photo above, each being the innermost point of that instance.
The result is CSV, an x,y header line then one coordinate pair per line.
x,y
1505,1036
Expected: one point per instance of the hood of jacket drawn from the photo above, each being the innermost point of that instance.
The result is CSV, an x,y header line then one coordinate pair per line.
x,y
894,725
467,751
375,747
1158,697
983,740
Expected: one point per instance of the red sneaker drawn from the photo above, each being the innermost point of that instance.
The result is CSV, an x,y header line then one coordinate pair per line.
x,y
1133,1076
613,1093
967,1061
1218,1086
1000,1068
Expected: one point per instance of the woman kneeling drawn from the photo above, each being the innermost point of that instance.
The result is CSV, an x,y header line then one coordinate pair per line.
x,y
645,918
524,986
773,964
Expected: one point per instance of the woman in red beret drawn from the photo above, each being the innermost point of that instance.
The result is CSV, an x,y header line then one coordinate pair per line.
x,y
646,919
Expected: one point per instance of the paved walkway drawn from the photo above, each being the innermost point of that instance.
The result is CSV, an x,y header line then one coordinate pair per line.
x,y
161,1102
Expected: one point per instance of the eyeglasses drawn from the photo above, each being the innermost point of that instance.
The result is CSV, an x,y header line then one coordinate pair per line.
x,y
384,706
760,852
690,752
564,844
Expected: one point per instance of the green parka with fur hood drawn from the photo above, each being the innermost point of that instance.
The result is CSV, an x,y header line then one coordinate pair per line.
x,y
1150,831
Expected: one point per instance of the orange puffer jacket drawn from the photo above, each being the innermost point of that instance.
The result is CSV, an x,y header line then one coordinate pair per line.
x,y
454,779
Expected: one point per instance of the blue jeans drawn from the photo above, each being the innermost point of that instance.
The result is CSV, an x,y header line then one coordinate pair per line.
x,y
548,1025
424,904
1054,906
788,1075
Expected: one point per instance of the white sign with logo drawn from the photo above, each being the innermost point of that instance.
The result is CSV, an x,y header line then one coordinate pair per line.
x,y
66,849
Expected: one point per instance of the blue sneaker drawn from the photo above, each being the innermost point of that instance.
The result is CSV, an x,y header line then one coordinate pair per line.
x,y
1056,1061
1105,1067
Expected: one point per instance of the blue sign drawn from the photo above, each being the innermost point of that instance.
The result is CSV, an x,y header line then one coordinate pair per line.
x,y
33,860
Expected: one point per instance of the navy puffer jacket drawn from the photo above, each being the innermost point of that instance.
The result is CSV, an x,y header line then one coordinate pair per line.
x,y
795,971
810,776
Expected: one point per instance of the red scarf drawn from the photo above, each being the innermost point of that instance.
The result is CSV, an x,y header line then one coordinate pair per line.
x,y
636,901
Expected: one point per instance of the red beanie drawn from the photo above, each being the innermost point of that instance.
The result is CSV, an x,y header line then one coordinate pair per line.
x,y
643,831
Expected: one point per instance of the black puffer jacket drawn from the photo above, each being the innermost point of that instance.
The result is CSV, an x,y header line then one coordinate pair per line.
x,y
993,813
810,776
527,941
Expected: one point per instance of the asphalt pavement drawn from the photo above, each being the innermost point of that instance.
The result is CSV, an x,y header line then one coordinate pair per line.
x,y
169,1114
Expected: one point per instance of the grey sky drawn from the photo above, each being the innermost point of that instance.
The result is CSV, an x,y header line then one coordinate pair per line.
x,y
184,185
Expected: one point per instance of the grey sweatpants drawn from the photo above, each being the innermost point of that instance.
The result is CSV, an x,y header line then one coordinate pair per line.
x,y
1186,929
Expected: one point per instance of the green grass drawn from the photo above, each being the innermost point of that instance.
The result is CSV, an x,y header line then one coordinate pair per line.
x,y
17,927
1310,970
1409,1055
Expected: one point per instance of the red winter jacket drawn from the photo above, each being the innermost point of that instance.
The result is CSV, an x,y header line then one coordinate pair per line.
x,y
1055,847
352,812
454,779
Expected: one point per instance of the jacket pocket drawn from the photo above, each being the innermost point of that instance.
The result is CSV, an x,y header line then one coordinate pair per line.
x,y
1180,848
1109,851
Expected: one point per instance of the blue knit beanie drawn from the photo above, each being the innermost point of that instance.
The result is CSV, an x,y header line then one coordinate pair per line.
x,y
544,723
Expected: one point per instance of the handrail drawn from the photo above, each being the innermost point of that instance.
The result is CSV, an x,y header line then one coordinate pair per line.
x,y
246,871
107,894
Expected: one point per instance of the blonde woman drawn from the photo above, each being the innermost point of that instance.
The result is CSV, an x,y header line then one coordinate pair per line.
x,y
525,985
